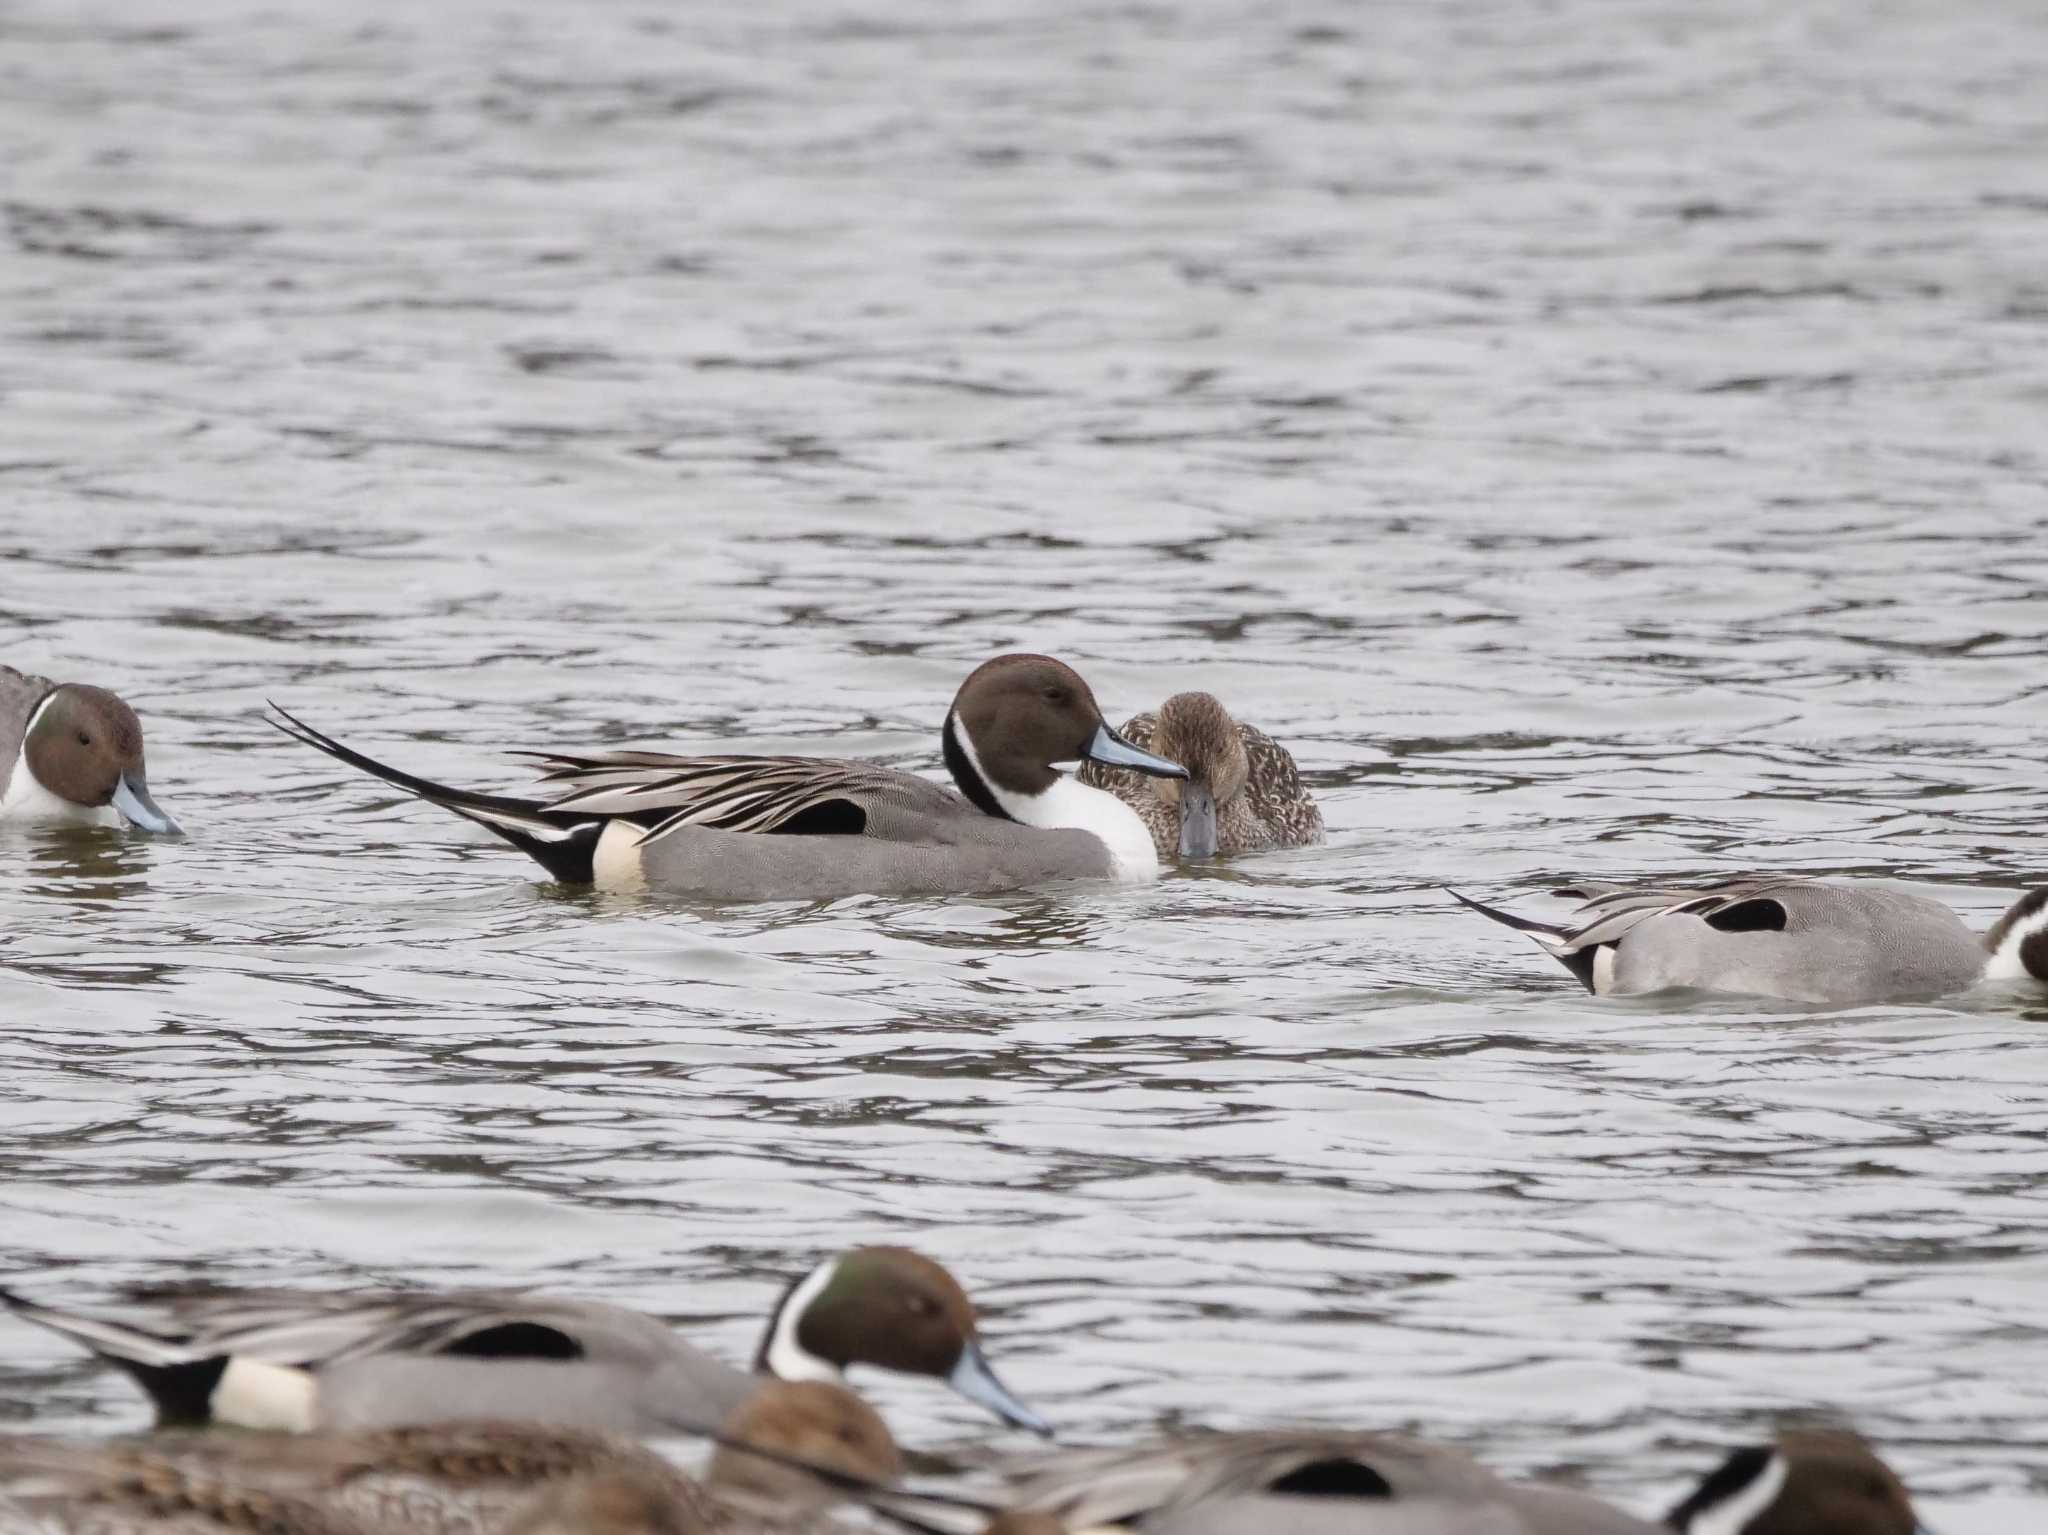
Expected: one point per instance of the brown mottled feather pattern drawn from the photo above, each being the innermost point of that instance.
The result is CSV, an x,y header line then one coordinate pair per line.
x,y
55,1488
1275,810
474,1478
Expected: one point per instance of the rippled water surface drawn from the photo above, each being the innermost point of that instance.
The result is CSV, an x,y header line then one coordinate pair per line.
x,y
1602,438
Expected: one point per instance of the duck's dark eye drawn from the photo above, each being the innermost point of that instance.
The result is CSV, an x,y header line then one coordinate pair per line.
x,y
84,739
1055,695
922,1305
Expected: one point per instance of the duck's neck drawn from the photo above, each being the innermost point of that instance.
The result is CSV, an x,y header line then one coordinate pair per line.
x,y
2018,941
782,1355
965,765
27,800
1065,804
1714,1510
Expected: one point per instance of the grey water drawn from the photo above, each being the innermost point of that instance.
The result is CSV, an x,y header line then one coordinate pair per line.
x,y
1603,438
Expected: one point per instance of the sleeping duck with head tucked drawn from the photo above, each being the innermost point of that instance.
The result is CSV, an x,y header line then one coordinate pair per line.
x,y
744,828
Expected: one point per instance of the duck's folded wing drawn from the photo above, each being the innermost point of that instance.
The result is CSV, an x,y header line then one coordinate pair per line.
x,y
1087,1488
1272,765
1610,911
1277,1469
813,796
20,692
313,1330
1275,786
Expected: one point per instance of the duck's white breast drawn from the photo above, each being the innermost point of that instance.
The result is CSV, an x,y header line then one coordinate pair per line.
x,y
1071,804
28,800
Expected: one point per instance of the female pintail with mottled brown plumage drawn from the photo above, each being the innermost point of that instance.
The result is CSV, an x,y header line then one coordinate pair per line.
x,y
473,1477
1243,793
72,752
1838,943
297,1360
1305,1482
813,828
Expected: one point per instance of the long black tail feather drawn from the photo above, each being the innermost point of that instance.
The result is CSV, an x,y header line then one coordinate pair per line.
x,y
1578,961
1508,918
564,844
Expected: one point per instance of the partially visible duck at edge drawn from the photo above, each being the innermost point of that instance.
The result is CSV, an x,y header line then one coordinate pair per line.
x,y
1838,943
71,752
1305,1482
298,1361
461,1478
1243,793
813,828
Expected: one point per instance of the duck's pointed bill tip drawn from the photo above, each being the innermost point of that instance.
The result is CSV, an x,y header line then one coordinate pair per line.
x,y
131,799
973,1379
1112,750
1197,822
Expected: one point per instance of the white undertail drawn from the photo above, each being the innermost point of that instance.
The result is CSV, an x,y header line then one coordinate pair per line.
x,y
615,862
254,1393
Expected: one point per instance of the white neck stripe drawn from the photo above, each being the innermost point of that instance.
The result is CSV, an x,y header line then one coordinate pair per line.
x,y
2005,963
787,1358
965,742
27,800
1731,1516
1068,804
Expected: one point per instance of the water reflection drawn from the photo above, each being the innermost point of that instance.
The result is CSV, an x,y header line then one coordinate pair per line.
x,y
89,866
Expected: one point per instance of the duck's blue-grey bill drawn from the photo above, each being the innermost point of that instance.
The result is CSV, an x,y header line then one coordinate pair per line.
x,y
973,1379
1197,822
131,798
1107,747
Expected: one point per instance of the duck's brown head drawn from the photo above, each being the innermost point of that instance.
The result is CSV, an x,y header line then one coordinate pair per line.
x,y
1016,720
84,745
1195,730
1810,1482
891,1308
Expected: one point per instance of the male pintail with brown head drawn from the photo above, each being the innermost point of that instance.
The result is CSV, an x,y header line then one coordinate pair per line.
x,y
72,752
301,1360
816,828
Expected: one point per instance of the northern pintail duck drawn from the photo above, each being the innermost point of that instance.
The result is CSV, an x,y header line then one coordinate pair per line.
x,y
1243,793
472,1477
1806,940
1310,1483
772,828
72,752
297,1360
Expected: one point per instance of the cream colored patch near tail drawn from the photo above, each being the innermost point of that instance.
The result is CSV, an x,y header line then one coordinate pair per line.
x,y
254,1393
1603,970
616,863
